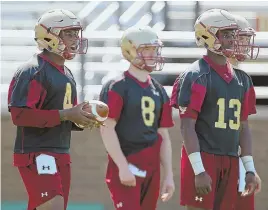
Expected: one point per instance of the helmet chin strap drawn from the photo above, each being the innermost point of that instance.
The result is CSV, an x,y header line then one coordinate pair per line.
x,y
149,68
225,53
144,67
68,56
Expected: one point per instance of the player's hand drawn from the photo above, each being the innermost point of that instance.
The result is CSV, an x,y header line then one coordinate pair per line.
x,y
94,123
258,179
127,178
168,188
77,115
251,184
203,183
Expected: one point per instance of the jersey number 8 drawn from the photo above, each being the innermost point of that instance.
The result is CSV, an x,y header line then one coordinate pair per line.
x,y
147,109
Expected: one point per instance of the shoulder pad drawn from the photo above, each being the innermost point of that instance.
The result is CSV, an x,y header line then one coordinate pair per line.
x,y
30,68
195,70
156,83
242,72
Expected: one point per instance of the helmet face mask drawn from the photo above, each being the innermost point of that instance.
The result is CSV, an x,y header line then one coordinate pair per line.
x,y
149,57
142,48
246,45
227,39
246,48
58,32
73,42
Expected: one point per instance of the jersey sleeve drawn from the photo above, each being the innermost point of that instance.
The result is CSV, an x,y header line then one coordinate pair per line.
x,y
188,94
26,90
112,94
166,115
28,117
249,100
25,97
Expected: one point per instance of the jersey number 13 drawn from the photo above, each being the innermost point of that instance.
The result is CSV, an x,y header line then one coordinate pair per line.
x,y
233,104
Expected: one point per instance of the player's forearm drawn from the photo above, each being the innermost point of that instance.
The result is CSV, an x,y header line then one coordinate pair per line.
x,y
245,139
34,117
189,135
166,152
112,145
246,147
191,144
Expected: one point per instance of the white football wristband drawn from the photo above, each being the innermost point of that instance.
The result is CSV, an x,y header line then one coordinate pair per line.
x,y
248,163
196,162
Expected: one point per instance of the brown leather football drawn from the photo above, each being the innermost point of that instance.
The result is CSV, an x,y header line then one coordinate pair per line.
x,y
98,109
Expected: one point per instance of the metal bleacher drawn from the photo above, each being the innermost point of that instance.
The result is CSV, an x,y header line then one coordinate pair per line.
x,y
104,22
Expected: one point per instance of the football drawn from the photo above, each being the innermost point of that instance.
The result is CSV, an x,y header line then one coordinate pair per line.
x,y
98,109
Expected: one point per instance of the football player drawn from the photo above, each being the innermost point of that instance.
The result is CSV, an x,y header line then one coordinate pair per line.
x,y
214,101
246,50
42,100
136,133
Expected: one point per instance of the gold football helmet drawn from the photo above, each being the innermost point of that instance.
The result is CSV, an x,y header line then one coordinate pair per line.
x,y
48,29
207,28
135,41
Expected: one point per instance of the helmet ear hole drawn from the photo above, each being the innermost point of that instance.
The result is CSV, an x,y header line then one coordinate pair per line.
x,y
47,39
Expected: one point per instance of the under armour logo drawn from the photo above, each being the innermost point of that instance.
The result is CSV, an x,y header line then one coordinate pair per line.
x,y
46,167
200,199
182,109
155,92
44,194
119,205
226,75
155,41
76,23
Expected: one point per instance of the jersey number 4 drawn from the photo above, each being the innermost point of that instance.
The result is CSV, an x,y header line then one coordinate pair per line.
x,y
147,109
233,104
